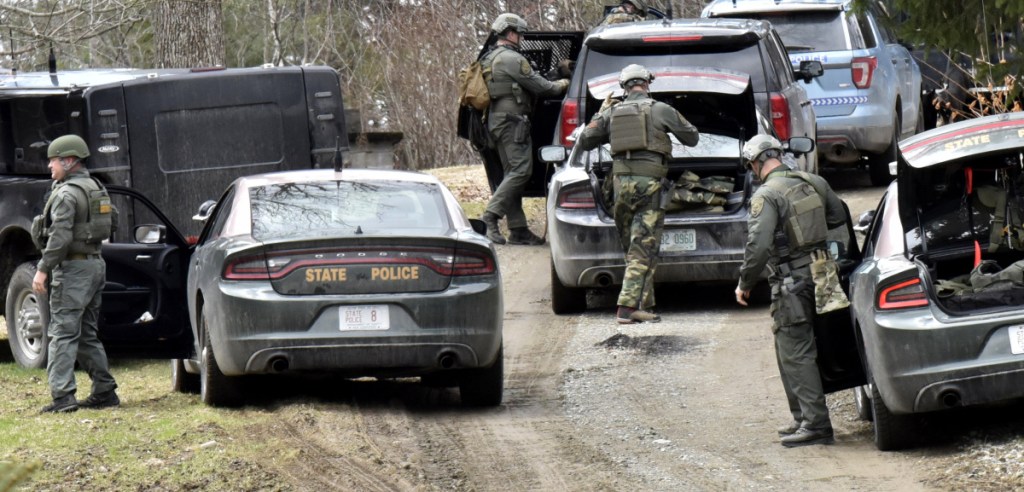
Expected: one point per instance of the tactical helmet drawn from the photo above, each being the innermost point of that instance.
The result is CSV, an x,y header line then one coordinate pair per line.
x,y
68,146
641,9
758,145
509,21
634,72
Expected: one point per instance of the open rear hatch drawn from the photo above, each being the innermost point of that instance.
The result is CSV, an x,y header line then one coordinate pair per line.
x,y
720,103
956,185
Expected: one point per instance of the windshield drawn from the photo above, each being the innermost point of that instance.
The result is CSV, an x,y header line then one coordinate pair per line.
x,y
346,208
739,58
807,31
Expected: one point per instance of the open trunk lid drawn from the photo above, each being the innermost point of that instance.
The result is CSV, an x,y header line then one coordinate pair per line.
x,y
947,175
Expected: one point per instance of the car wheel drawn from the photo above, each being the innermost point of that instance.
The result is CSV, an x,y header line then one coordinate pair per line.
x,y
484,387
878,165
863,402
181,380
28,316
892,432
215,389
566,300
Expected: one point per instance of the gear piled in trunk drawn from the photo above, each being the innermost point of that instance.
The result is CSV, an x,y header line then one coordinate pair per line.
x,y
692,193
991,284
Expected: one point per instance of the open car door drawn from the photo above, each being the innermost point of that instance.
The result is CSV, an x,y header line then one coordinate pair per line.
x,y
144,312
544,50
839,361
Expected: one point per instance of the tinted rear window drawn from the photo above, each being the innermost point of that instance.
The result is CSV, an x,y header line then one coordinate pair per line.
x,y
740,58
808,31
345,208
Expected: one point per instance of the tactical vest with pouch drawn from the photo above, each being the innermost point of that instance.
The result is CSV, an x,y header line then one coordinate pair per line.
x,y
805,226
631,127
99,216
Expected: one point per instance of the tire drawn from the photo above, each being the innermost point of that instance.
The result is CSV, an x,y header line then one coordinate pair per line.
x,y
566,300
863,403
484,387
892,432
215,389
878,165
182,381
28,317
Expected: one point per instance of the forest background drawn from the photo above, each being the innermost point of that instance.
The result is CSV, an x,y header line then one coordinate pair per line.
x,y
398,59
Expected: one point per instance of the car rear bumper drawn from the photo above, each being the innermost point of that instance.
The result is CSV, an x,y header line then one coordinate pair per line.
x,y
923,365
587,253
844,139
256,330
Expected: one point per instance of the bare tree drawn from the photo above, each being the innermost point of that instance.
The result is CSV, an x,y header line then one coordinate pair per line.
x,y
188,33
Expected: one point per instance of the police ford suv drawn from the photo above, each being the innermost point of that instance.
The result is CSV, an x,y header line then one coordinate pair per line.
x,y
869,95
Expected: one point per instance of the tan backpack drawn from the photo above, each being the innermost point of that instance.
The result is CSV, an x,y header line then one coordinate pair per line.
x,y
472,87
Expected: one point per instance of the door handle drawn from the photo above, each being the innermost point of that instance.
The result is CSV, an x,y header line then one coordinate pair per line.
x,y
143,257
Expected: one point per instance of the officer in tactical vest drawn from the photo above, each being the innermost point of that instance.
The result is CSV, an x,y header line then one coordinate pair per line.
x,y
513,85
77,217
627,11
790,214
638,129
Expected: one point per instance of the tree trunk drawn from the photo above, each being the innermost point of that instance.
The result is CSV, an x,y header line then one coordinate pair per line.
x,y
189,33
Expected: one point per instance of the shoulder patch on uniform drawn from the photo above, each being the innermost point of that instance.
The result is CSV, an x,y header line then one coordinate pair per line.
x,y
524,66
756,205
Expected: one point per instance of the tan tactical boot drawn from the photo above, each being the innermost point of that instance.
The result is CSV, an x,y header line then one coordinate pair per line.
x,y
493,232
627,316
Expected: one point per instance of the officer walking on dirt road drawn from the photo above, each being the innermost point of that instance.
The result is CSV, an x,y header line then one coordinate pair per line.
x,y
638,129
790,214
513,86
77,217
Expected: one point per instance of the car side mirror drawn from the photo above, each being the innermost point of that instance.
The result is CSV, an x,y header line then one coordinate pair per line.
x,y
553,154
478,226
150,234
864,222
205,211
800,145
809,69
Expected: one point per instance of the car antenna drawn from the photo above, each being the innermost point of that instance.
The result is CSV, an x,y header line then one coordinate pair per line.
x,y
52,63
338,162
669,10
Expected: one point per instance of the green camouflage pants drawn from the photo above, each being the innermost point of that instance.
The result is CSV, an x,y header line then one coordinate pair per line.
x,y
639,219
797,354
75,291
517,164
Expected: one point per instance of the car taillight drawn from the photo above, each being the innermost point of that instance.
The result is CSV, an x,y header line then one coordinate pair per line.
x,y
780,116
570,119
251,268
578,196
467,262
862,70
905,294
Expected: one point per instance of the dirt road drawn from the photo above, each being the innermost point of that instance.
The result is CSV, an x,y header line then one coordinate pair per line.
x,y
691,403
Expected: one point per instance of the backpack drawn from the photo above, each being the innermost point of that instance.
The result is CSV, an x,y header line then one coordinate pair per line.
x,y
473,88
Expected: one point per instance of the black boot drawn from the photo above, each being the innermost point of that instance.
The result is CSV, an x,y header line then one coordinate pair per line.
x,y
64,404
101,400
493,232
523,235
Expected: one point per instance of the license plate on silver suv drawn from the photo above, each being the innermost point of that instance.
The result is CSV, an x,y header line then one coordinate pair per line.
x,y
679,240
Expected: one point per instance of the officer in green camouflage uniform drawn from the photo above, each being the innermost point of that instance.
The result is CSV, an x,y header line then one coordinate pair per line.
x,y
513,85
790,214
77,217
637,129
